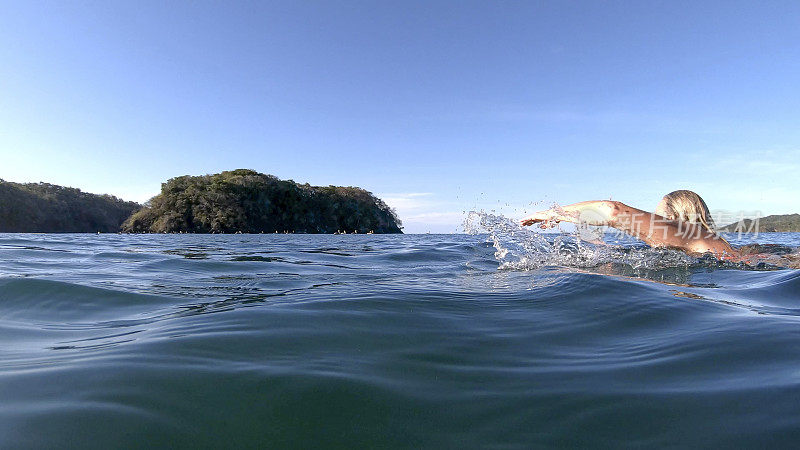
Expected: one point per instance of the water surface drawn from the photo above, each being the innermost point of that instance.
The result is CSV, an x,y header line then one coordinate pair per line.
x,y
391,341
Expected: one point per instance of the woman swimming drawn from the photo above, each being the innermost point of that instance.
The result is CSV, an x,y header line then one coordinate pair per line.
x,y
681,221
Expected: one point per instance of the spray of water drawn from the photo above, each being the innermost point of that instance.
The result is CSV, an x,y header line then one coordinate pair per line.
x,y
526,248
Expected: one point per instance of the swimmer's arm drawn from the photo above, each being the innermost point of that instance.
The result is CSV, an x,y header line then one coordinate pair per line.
x,y
595,212
651,228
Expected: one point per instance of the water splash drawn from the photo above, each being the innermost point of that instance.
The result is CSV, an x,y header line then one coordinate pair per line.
x,y
524,248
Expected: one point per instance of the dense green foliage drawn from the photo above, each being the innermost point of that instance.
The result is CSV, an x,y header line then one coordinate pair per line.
x,y
250,202
784,222
47,208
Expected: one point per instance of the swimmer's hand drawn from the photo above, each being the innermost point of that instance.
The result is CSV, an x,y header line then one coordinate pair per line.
x,y
546,219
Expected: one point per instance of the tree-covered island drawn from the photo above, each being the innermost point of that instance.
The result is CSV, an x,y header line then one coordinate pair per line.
x,y
774,223
48,208
229,202
250,202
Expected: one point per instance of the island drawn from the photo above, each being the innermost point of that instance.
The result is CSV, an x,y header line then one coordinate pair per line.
x,y
774,223
236,201
246,201
48,208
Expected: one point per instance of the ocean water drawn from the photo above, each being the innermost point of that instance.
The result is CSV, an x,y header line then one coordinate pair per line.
x,y
501,339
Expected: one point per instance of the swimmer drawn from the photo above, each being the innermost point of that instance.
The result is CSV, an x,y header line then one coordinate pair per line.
x,y
681,221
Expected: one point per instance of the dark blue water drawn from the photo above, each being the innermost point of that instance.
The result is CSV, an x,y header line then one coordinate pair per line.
x,y
300,341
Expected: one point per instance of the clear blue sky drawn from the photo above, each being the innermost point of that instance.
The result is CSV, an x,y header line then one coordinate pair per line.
x,y
438,107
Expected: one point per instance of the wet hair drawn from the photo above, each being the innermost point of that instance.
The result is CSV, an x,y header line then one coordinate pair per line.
x,y
686,206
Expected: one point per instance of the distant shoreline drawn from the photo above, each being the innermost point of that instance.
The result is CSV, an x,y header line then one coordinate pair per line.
x,y
240,201
782,223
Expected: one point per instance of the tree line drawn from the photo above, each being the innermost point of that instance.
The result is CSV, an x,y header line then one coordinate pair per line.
x,y
229,202
250,202
48,208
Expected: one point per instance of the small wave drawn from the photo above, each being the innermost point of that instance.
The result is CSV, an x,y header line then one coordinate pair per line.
x,y
40,300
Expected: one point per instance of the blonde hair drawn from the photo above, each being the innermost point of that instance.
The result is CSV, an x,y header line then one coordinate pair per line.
x,y
686,206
